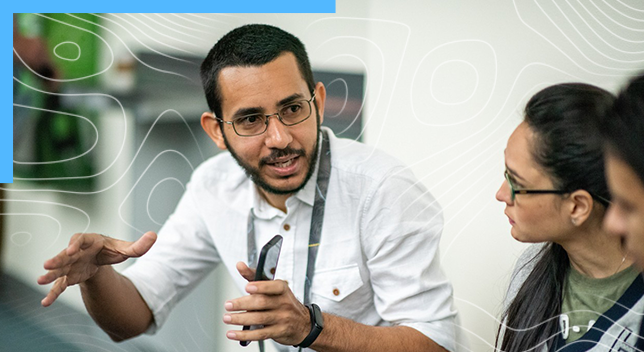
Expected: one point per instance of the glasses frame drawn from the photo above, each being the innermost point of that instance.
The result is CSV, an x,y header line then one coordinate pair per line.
x,y
516,191
268,117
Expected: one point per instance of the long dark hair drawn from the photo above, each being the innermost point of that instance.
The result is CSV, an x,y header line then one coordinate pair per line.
x,y
566,146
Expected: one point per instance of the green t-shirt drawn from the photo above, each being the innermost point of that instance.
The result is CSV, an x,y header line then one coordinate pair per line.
x,y
585,299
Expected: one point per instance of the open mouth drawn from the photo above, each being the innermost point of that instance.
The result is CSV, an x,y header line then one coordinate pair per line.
x,y
285,166
283,162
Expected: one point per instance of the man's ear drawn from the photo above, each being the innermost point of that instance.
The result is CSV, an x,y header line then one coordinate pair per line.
x,y
320,99
581,206
210,124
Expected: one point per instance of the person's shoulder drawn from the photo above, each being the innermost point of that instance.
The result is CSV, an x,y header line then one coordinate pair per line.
x,y
220,170
526,261
356,158
530,254
522,269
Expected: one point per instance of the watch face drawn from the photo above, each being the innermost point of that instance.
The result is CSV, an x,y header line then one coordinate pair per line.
x,y
317,315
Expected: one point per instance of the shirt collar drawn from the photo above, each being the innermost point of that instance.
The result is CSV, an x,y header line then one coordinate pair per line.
x,y
259,206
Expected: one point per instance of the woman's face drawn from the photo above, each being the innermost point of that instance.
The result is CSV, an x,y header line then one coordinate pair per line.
x,y
534,217
625,216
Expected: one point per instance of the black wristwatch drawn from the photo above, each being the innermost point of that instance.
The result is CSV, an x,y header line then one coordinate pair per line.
x,y
317,324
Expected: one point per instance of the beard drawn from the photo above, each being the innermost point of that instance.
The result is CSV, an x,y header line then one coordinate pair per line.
x,y
253,173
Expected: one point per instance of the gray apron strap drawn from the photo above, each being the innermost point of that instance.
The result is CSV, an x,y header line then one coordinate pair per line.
x,y
317,217
317,220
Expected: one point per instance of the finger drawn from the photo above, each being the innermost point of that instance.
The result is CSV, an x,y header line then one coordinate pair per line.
x,y
53,275
252,302
57,266
272,287
264,333
82,241
60,260
56,290
74,237
251,318
140,247
246,272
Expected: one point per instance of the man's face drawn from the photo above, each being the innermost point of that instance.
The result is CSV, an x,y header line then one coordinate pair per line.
x,y
282,159
625,215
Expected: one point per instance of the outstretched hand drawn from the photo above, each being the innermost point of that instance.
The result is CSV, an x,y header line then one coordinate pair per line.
x,y
81,260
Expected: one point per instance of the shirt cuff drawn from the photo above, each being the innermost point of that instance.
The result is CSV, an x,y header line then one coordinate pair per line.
x,y
158,297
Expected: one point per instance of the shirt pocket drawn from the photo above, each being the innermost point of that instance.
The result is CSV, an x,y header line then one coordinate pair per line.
x,y
337,283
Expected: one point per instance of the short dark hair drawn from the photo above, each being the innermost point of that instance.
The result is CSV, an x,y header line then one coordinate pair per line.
x,y
623,128
250,45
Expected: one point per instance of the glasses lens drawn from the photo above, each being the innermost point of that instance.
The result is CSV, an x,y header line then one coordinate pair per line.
x,y
295,112
507,178
250,125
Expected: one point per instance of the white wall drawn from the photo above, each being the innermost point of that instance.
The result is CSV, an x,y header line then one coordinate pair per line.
x,y
446,82
467,69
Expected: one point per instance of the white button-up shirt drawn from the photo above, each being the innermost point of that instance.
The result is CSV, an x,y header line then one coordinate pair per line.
x,y
377,263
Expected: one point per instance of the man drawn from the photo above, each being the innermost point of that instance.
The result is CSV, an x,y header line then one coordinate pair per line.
x,y
623,132
360,233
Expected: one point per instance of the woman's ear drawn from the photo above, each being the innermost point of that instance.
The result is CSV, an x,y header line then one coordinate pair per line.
x,y
581,206
210,124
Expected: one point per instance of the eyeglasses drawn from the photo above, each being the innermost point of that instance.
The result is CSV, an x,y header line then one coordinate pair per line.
x,y
603,200
516,191
255,124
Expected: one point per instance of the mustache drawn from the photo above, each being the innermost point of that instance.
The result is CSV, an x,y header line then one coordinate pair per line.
x,y
280,153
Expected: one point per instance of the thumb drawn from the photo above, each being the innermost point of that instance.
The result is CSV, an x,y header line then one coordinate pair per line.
x,y
141,246
246,272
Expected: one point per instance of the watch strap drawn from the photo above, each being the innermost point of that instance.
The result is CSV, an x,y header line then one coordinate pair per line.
x,y
317,324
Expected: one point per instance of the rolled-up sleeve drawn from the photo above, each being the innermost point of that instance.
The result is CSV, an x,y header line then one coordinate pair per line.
x,y
182,256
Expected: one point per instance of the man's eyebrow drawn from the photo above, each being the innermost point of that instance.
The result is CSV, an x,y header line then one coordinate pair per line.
x,y
514,173
290,98
257,110
247,111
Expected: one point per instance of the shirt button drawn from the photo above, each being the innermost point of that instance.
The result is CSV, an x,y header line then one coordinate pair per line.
x,y
287,227
336,292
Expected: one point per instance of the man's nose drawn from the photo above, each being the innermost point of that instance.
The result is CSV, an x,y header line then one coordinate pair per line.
x,y
277,134
614,221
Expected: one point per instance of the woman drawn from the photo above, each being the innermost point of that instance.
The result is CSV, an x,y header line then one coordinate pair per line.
x,y
624,137
556,194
